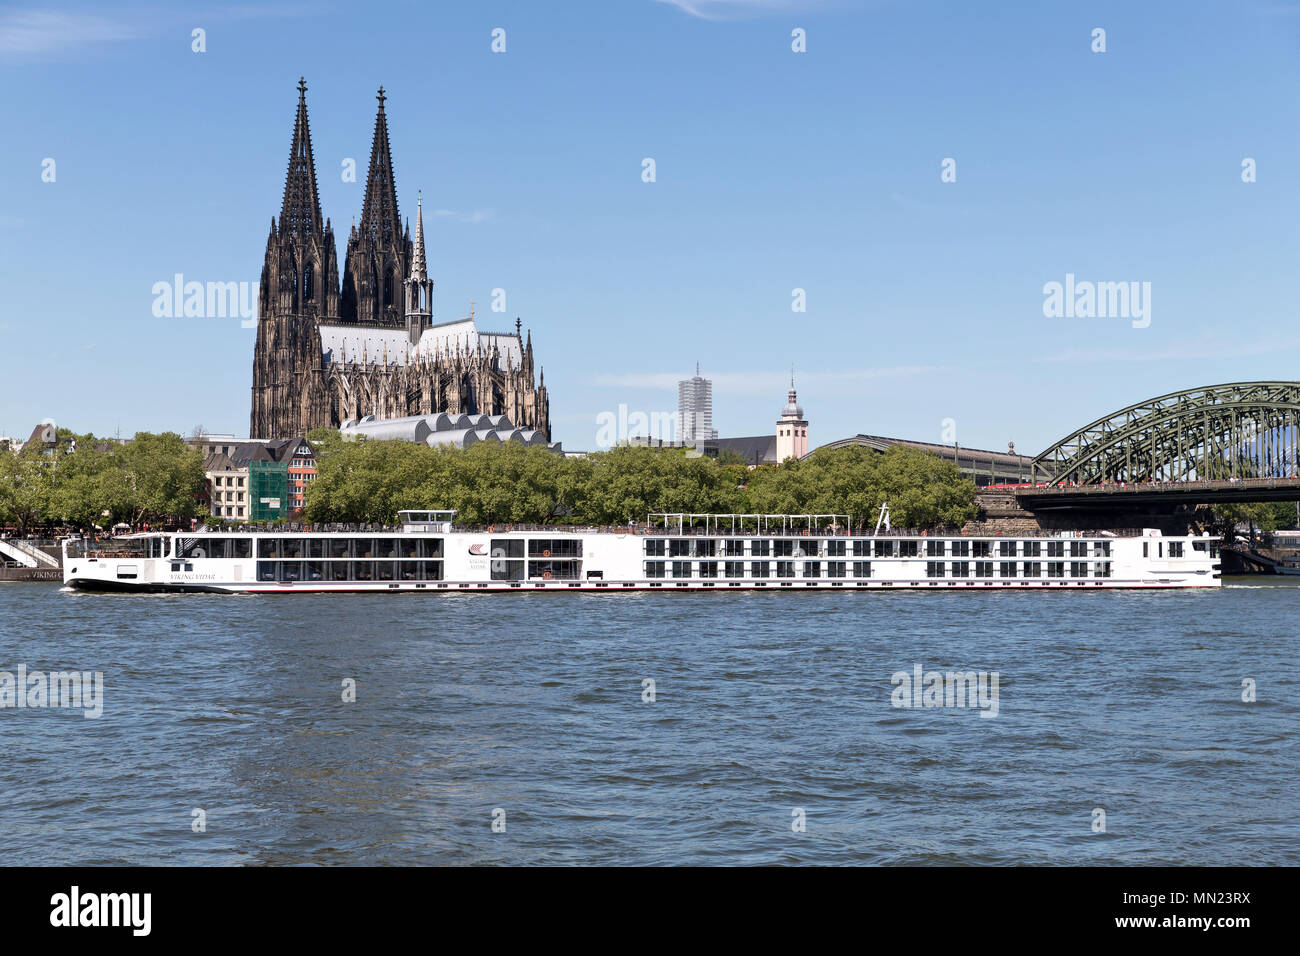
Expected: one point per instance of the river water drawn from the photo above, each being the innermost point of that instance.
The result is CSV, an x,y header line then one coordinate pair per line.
x,y
772,735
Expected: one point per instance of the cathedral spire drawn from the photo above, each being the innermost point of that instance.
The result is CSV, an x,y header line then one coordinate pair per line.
x,y
417,263
379,218
300,212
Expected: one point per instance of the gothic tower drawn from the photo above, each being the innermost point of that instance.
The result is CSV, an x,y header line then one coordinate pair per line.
x,y
379,253
419,287
299,290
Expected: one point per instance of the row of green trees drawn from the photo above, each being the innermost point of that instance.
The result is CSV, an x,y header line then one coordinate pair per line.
x,y
511,483
153,478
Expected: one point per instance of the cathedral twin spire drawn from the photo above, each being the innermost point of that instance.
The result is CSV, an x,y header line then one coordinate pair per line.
x,y
300,211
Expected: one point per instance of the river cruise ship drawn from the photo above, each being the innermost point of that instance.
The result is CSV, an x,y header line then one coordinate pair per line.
x,y
428,552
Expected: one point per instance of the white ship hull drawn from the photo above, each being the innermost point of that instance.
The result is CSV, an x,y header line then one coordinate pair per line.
x,y
452,560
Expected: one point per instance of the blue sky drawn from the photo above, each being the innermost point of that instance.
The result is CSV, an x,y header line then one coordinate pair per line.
x,y
775,170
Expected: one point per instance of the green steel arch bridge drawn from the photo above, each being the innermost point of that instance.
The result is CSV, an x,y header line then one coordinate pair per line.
x,y
1234,442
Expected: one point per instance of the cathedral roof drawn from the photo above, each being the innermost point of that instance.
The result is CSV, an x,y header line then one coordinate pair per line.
x,y
350,342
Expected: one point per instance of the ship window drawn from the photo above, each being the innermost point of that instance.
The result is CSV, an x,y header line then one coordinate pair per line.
x,y
1101,549
783,548
555,570
1056,549
654,547
1078,569
760,548
291,548
1102,570
812,569
835,549
862,569
884,549
340,547
313,571
1033,549
835,569
408,547
1146,549
706,549
268,548
1033,569
708,569
961,549
363,570
785,569
961,569
983,569
266,570
654,569
1175,549
983,549
1007,569
558,548
735,548
862,549
934,549
508,548
385,548
909,549
934,569
1056,569
758,569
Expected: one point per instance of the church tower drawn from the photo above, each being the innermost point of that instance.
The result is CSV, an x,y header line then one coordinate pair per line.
x,y
791,429
298,290
419,287
379,253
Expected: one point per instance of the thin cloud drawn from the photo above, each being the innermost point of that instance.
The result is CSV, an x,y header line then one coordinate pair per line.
x,y
1204,349
763,382
40,32
740,9
474,216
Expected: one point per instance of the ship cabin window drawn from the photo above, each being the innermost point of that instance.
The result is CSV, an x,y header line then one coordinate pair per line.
x,y
205,547
678,548
909,549
884,549
982,549
1101,549
1033,569
734,548
1056,569
862,569
862,549
1032,549
656,547
1078,549
961,569
1006,549
1056,549
836,549
783,548
1146,549
341,571
785,569
552,569
654,569
835,569
1078,569
558,548
934,569
706,549
812,569
708,569
1007,569
961,549
1175,549
507,562
983,569
759,569
760,549
934,549
681,569
1102,569
734,569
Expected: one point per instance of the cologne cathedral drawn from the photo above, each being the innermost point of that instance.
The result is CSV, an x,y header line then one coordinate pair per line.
x,y
329,351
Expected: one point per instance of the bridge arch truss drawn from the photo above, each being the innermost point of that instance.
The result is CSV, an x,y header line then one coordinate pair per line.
x,y
1236,430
